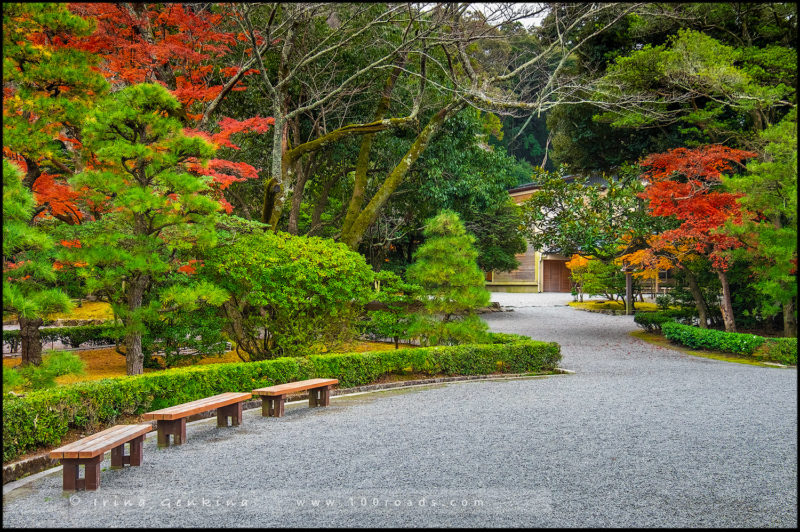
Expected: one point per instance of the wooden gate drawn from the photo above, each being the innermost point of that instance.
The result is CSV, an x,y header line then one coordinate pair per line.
x,y
555,276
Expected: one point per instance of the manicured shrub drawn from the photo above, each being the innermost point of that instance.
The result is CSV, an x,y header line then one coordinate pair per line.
x,y
72,336
696,338
43,417
396,318
651,321
781,350
453,286
288,293
183,337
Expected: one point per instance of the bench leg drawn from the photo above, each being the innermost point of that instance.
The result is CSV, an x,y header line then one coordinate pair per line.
x,y
177,428
272,405
92,473
118,458
70,480
325,396
91,477
313,397
137,450
134,456
233,411
319,396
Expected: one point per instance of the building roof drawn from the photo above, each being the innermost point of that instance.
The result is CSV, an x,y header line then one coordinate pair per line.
x,y
592,180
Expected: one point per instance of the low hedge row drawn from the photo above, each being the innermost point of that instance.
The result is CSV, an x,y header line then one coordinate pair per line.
x,y
72,336
42,418
652,321
783,350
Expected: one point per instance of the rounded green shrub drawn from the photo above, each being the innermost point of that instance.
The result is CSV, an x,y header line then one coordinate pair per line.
x,y
288,293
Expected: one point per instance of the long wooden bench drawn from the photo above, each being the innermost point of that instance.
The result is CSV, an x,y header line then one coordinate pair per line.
x,y
172,420
272,397
89,452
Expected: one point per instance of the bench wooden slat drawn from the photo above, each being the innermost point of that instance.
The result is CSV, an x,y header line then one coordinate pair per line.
x,y
80,443
98,447
101,442
101,446
195,407
291,387
105,435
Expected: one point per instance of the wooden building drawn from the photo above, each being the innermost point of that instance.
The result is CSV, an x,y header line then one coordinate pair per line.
x,y
537,272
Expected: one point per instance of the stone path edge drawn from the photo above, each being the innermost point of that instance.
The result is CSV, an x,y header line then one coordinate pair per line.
x,y
17,474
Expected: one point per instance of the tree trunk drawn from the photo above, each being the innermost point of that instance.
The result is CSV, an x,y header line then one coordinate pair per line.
x,y
31,341
725,306
369,214
322,202
297,198
629,297
134,357
700,303
362,163
275,188
789,321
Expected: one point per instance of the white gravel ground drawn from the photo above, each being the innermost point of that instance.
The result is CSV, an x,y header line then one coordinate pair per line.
x,y
638,436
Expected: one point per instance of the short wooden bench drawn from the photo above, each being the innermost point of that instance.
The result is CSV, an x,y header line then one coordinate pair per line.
x,y
272,397
89,452
172,420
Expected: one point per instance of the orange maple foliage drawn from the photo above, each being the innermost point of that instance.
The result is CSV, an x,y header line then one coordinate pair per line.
x,y
684,183
178,46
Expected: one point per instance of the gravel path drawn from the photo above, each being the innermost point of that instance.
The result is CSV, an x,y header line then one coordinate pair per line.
x,y
638,436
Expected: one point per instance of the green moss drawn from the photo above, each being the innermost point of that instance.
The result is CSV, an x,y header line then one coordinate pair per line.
x,y
613,305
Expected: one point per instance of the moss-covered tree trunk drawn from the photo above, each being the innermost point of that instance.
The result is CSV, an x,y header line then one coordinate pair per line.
x,y
369,214
362,163
274,193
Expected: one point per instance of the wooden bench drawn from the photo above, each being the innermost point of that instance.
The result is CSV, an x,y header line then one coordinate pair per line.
x,y
172,420
89,452
272,397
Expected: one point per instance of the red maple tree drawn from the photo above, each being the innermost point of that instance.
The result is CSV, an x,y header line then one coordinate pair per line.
x,y
686,183
180,47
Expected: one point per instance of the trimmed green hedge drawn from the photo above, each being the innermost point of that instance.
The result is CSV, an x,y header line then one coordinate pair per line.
x,y
783,350
42,418
652,321
72,336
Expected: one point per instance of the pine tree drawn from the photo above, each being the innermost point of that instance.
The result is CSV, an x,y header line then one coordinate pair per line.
x,y
453,286
27,271
155,207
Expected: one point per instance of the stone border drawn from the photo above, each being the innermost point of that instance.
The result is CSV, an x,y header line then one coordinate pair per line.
x,y
17,472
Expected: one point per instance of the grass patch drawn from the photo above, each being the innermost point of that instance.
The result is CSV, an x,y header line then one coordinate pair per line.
x,y
657,339
613,305
89,310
